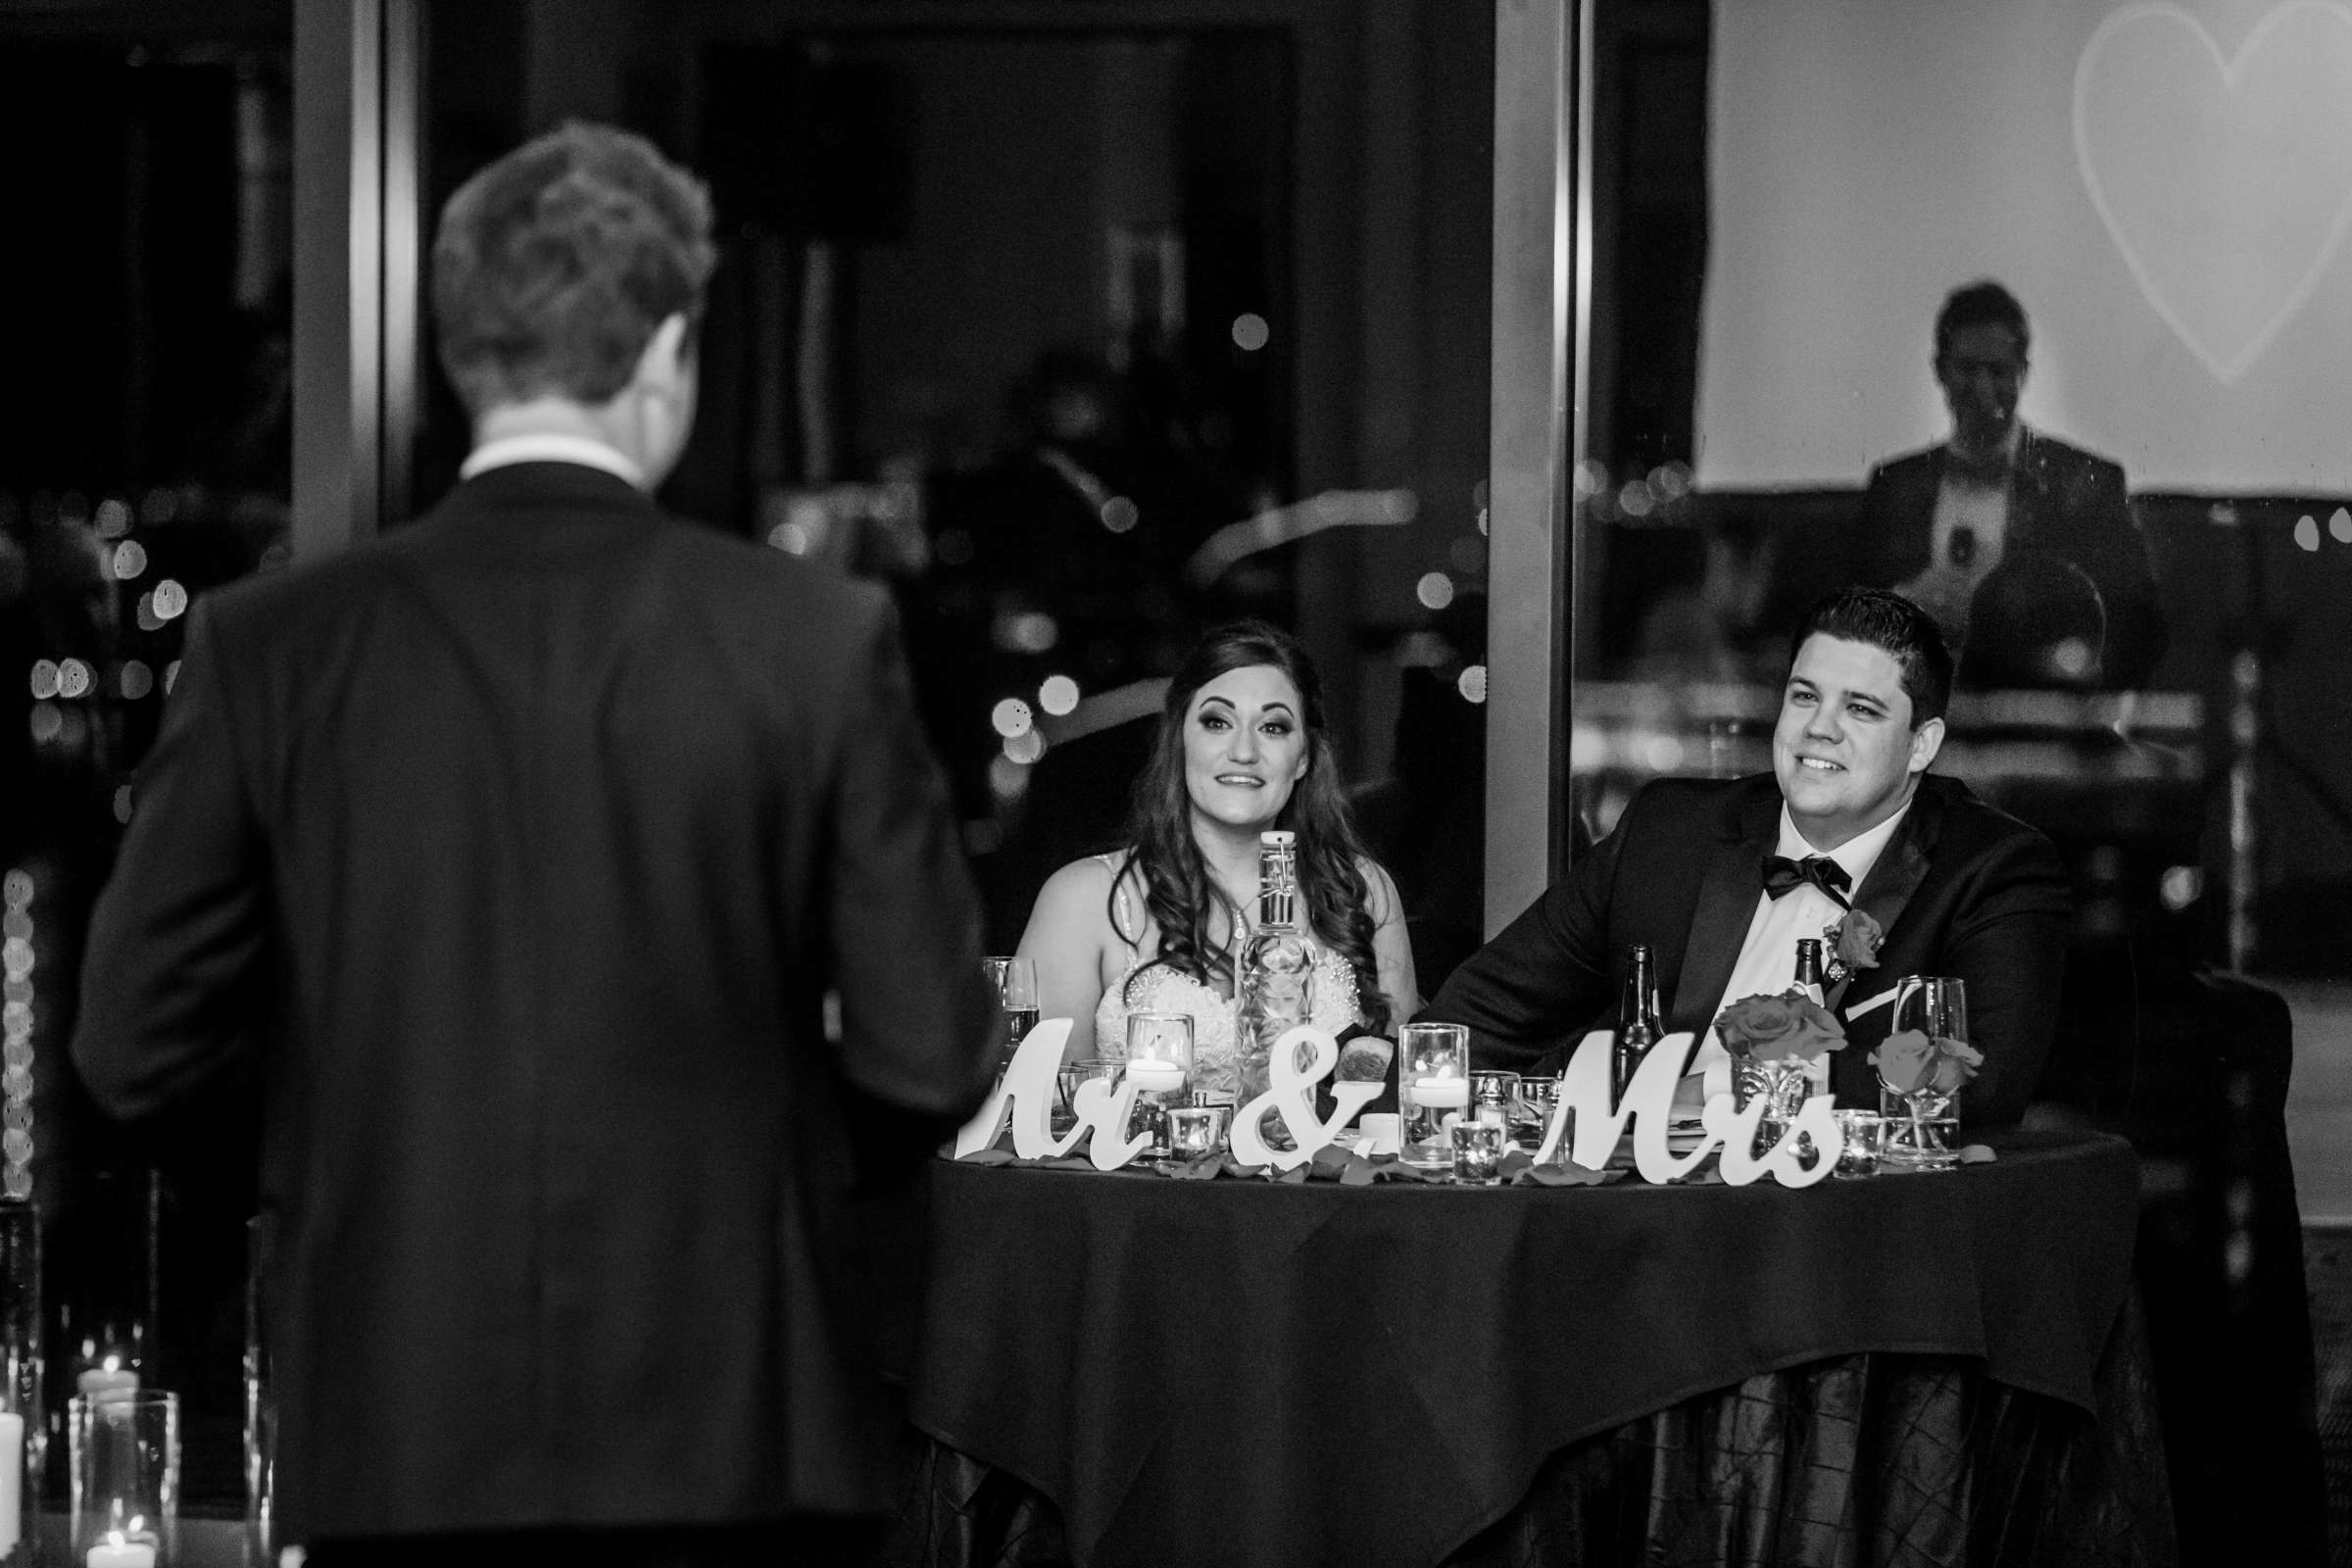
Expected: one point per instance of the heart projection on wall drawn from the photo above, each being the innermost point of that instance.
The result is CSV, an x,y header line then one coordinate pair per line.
x,y
2225,182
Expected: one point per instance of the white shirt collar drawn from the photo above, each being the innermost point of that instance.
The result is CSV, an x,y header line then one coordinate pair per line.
x,y
550,447
1855,856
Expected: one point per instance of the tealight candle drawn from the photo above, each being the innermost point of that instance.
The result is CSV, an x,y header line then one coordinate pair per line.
x,y
1155,1077
1442,1093
115,1553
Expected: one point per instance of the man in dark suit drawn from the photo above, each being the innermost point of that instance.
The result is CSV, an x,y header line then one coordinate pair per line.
x,y
1935,522
521,855
1854,820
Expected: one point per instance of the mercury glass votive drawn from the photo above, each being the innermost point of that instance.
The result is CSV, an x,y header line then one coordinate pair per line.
x,y
1197,1130
1477,1151
1864,1133
1493,1096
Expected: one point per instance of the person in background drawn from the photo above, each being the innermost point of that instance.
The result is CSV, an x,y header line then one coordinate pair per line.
x,y
1156,926
1935,523
515,854
1720,878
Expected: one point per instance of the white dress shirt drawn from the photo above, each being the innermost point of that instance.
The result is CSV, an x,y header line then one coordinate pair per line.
x,y
550,447
1767,963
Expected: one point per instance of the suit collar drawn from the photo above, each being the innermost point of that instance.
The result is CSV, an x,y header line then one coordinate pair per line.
x,y
548,492
1901,867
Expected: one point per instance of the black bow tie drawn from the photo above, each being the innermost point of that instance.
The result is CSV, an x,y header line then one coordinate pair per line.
x,y
1781,875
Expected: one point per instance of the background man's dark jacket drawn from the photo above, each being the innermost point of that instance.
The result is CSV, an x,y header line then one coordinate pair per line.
x,y
1961,889
2063,501
532,837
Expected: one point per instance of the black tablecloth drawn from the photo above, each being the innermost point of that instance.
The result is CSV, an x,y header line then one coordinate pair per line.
x,y
1241,1372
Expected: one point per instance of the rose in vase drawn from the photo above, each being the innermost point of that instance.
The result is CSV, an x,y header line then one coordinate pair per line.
x,y
1910,1062
1790,1027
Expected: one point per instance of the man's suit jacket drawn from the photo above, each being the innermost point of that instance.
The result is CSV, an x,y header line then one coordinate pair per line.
x,y
1961,889
524,846
2063,501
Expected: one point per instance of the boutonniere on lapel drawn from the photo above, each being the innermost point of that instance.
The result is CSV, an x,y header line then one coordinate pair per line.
x,y
1852,943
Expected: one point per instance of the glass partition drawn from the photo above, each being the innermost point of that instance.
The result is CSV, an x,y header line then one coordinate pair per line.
x,y
143,461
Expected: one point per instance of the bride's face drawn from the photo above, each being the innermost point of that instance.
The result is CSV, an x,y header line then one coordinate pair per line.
x,y
1244,746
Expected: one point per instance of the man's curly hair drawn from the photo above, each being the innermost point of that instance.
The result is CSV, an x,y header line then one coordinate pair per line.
x,y
554,266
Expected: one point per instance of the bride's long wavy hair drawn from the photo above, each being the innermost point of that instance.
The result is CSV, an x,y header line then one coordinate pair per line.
x,y
1166,858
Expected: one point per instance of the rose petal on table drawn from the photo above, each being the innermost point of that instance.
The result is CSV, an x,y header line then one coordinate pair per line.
x,y
1534,1175
1295,1175
1065,1162
1198,1168
1330,1160
1976,1155
986,1156
1517,1160
1359,1173
1396,1170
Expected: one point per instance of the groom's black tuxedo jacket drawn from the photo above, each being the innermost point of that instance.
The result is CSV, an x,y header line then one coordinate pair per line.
x,y
522,848
1961,890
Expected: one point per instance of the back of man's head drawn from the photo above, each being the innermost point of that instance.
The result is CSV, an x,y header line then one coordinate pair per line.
x,y
554,266
1897,627
1984,303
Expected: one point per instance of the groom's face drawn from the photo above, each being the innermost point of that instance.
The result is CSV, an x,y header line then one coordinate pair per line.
x,y
1845,751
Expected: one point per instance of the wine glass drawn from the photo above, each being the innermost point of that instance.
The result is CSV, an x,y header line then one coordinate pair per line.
x,y
1014,981
1922,1120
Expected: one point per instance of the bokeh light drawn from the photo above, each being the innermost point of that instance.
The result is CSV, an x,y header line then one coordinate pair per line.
x,y
1249,332
130,559
1057,694
1025,748
73,678
1119,515
1011,718
1471,683
171,599
137,679
44,679
1435,590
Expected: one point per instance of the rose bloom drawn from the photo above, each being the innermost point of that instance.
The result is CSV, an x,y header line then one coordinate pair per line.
x,y
1908,1061
1858,939
1784,1028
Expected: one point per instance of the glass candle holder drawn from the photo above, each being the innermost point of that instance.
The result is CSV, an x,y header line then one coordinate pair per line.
x,y
1066,1079
1434,1084
124,1498
1863,1132
1160,1065
261,1396
1539,1097
1477,1151
1197,1130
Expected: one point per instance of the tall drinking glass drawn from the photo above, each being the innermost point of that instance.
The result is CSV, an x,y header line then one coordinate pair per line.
x,y
1922,1119
124,1445
1433,1084
1160,1065
1014,981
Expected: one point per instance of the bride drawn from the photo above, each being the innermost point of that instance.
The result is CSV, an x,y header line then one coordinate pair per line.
x,y
1156,926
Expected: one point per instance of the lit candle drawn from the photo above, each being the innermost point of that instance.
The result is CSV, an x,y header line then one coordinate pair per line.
x,y
1442,1093
115,1553
111,1379
12,1479
1155,1077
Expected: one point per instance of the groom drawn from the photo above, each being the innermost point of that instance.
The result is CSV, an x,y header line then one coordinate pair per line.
x,y
1721,879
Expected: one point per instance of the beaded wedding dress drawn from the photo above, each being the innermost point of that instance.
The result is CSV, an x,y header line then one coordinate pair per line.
x,y
1160,989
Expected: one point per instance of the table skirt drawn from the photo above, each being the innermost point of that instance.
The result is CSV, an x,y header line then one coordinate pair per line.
x,y
1867,1459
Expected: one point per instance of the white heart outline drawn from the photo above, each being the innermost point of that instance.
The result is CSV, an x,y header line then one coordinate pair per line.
x,y
2300,295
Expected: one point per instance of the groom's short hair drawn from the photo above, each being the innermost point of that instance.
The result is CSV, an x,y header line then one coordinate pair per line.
x,y
1886,620
554,266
